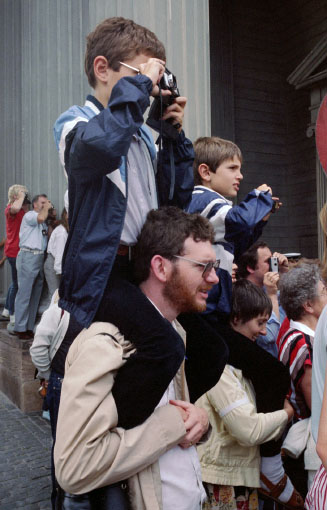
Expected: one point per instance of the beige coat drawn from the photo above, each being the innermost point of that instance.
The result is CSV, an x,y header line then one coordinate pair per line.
x,y
90,450
231,456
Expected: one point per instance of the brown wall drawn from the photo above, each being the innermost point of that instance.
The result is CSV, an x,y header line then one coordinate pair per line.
x,y
266,41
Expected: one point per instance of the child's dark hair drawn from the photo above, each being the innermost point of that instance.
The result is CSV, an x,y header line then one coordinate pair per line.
x,y
213,151
249,301
119,39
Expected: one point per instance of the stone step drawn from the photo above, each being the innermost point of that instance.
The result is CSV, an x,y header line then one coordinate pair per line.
x,y
17,371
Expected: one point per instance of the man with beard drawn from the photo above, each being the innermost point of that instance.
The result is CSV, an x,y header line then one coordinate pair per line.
x,y
175,266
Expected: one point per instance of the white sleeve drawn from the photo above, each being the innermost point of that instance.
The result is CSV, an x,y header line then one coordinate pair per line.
x,y
58,248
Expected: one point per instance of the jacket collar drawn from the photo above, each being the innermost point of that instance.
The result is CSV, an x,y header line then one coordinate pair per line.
x,y
302,327
94,104
199,188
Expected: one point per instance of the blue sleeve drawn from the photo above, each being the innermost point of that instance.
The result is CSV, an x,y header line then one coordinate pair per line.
x,y
31,218
243,218
245,242
243,222
184,182
269,342
100,143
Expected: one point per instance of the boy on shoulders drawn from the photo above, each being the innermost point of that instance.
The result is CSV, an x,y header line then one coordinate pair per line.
x,y
217,176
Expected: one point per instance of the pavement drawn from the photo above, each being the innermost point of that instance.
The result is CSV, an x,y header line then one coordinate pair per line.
x,y
25,447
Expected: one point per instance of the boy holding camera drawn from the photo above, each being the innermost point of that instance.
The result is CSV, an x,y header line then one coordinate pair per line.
x,y
110,160
217,176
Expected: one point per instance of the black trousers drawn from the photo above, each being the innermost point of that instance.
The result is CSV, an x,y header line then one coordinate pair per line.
x,y
111,497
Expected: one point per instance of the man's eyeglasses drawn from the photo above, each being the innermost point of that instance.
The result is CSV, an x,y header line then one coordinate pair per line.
x,y
207,266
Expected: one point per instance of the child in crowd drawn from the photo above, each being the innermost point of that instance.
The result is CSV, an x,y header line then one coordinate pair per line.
x,y
217,176
230,459
110,158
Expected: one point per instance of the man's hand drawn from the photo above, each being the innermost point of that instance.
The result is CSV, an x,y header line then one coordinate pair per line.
x,y
289,409
43,213
196,424
183,413
270,281
154,69
282,262
175,111
47,205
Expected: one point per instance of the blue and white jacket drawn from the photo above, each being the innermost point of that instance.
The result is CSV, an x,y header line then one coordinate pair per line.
x,y
236,229
93,143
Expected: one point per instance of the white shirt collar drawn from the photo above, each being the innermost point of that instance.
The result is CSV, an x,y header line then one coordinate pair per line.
x,y
302,327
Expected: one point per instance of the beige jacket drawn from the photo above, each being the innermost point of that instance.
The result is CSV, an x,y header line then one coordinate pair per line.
x,y
90,450
231,455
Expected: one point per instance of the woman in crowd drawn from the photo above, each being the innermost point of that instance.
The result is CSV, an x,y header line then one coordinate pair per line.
x,y
230,459
56,246
303,296
17,206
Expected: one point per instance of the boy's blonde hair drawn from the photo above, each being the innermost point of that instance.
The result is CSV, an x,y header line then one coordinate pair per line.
x,y
14,190
213,151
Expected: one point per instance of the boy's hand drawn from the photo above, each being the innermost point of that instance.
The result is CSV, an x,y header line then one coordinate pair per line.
x,y
176,111
264,187
154,69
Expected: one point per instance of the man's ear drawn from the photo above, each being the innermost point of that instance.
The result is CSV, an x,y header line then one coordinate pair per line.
x,y
250,270
159,268
204,172
101,68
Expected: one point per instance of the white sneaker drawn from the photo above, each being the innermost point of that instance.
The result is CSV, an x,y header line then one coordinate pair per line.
x,y
5,313
11,329
46,415
12,319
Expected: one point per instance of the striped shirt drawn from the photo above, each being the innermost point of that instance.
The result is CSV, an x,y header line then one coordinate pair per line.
x,y
295,351
317,496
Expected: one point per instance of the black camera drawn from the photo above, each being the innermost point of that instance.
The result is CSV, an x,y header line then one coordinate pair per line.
x,y
159,105
26,200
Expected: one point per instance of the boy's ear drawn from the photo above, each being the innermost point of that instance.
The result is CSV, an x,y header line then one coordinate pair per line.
x,y
101,68
235,321
204,172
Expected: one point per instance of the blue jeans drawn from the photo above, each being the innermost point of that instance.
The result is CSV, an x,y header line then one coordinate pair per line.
x,y
12,291
52,401
30,283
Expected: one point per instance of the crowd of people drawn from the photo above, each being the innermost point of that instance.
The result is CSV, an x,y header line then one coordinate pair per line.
x,y
34,246
178,352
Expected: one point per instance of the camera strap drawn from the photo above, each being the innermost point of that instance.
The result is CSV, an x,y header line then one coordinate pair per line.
x,y
171,151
